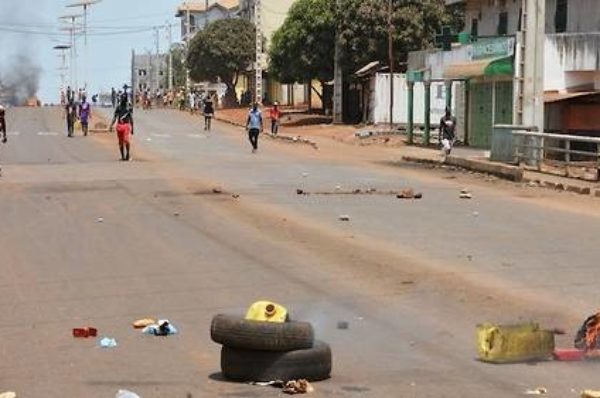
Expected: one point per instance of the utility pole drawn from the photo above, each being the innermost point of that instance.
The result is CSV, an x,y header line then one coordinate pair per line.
x,y
338,79
391,57
157,59
73,49
85,4
170,39
259,50
206,14
188,30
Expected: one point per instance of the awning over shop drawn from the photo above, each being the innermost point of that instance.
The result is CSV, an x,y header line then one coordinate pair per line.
x,y
485,67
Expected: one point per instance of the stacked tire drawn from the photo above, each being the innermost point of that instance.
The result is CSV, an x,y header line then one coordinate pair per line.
x,y
267,351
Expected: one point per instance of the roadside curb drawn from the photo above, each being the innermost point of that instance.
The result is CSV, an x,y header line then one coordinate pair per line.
x,y
507,172
287,138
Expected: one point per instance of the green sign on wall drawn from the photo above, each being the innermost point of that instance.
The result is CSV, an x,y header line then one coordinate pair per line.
x,y
493,47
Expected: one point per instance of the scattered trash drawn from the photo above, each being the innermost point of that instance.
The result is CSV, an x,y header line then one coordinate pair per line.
x,y
465,195
588,336
176,214
568,354
142,323
299,191
108,342
590,394
532,184
298,387
475,214
305,175
274,383
162,328
514,343
343,325
126,394
100,219
408,282
537,391
217,190
344,217
338,187
85,332
8,394
409,193
235,196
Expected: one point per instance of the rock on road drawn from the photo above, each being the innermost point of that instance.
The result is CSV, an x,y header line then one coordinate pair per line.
x,y
411,278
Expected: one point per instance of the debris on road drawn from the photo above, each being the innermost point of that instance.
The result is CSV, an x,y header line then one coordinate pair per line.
x,y
465,194
274,383
126,394
107,342
85,332
235,196
344,217
162,328
409,193
100,219
217,191
176,214
305,174
300,191
588,335
338,187
8,394
142,323
514,343
294,387
343,325
475,214
537,391
568,354
590,394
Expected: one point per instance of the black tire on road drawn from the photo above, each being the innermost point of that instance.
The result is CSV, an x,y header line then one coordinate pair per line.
x,y
237,332
313,364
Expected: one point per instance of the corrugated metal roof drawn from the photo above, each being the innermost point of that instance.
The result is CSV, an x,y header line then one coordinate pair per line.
x,y
554,96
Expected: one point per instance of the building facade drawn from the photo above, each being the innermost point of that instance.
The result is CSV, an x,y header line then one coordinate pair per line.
x,y
197,14
150,72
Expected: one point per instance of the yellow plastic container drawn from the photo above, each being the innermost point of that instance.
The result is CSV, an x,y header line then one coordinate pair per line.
x,y
514,343
267,311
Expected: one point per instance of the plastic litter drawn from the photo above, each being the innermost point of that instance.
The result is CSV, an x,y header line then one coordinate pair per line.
x,y
568,354
8,394
142,323
537,391
126,394
294,387
514,343
274,383
85,332
100,219
108,342
344,217
162,328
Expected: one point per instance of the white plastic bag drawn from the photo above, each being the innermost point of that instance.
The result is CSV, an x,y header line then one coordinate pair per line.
x,y
126,394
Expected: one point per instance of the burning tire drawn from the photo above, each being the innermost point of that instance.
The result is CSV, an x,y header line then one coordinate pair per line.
x,y
237,332
313,364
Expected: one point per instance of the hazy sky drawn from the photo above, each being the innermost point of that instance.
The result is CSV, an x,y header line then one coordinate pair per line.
x,y
109,55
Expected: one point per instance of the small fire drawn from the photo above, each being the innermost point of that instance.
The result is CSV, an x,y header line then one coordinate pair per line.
x,y
33,102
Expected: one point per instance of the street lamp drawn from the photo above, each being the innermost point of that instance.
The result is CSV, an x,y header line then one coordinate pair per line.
x,y
72,47
62,48
85,4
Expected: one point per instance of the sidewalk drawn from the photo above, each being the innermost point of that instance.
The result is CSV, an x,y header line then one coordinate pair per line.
x,y
307,129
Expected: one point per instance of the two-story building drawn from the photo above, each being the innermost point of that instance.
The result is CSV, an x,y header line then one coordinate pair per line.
x,y
495,61
272,16
195,15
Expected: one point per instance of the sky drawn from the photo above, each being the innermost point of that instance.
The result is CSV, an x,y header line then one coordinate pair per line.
x,y
32,27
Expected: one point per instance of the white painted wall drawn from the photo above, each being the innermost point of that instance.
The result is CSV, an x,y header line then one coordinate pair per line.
x,y
571,60
488,14
380,96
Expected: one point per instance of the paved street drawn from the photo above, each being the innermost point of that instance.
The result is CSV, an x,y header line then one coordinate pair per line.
x,y
86,240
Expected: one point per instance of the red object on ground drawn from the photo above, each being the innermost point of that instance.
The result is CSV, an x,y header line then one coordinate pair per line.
x,y
569,354
85,332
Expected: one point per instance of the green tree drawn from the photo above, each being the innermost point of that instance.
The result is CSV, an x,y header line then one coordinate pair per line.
x,y
302,49
363,29
179,69
221,51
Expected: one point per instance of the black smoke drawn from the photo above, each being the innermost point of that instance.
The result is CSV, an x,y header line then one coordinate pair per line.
x,y
20,71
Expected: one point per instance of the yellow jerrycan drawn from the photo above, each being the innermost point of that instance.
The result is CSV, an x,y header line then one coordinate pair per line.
x,y
267,311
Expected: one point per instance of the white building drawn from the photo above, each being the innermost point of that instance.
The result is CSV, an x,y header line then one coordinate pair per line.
x,y
198,15
150,72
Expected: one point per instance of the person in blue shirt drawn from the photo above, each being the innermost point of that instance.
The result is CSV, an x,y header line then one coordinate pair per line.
x,y
254,125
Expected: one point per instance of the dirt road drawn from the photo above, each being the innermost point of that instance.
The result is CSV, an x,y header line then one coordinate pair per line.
x,y
86,240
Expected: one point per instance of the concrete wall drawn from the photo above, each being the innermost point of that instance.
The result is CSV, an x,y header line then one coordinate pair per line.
x,y
380,100
572,61
582,16
487,12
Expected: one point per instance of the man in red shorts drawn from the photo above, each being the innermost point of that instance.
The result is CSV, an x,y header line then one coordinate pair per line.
x,y
124,119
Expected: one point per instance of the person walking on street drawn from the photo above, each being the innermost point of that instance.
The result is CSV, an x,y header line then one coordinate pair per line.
x,y
447,133
209,113
254,125
3,124
71,116
275,115
124,119
85,114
